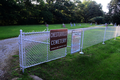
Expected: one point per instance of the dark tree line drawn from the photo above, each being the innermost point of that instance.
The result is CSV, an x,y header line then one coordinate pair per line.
x,y
21,12
114,12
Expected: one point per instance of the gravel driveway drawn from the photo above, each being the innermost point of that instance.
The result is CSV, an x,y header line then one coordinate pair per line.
x,y
8,47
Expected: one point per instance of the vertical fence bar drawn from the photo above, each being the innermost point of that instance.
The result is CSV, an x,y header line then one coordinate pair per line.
x,y
71,41
116,32
65,51
21,46
19,50
47,44
66,47
104,35
24,54
82,43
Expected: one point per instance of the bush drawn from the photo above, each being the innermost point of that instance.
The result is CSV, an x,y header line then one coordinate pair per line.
x,y
98,19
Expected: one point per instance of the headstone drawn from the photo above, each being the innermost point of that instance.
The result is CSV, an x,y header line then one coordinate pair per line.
x,y
71,24
106,25
90,23
47,25
63,25
115,25
74,24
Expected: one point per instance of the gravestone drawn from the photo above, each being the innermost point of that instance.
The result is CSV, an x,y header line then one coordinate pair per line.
x,y
115,25
90,23
74,24
63,25
71,24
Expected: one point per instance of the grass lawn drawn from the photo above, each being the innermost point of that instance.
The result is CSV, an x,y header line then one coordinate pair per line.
x,y
100,62
14,31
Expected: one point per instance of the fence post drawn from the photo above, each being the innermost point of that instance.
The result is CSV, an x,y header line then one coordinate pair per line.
x,y
47,28
47,44
104,35
65,51
116,32
82,43
66,47
21,46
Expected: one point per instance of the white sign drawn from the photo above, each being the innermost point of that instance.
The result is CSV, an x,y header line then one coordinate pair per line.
x,y
76,41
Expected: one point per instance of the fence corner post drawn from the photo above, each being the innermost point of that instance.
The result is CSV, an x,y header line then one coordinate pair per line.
x,y
104,35
82,43
116,32
21,47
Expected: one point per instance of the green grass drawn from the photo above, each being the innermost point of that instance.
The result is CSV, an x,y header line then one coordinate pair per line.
x,y
100,62
14,31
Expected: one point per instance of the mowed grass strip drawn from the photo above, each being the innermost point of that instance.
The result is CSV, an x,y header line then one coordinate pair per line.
x,y
14,31
100,62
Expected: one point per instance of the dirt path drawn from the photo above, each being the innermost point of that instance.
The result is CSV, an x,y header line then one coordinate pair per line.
x,y
8,47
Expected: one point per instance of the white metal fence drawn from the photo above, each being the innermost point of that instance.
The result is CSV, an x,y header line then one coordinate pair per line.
x,y
34,47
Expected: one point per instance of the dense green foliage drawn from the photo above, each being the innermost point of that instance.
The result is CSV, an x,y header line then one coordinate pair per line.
x,y
21,12
114,12
98,19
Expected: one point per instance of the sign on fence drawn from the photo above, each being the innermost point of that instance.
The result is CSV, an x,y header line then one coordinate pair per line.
x,y
76,41
58,39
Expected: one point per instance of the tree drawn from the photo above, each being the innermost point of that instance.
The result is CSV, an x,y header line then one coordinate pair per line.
x,y
114,11
9,11
89,9
114,6
54,11
94,10
50,1
107,18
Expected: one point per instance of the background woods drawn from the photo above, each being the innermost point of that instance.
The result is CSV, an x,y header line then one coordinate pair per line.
x,y
22,12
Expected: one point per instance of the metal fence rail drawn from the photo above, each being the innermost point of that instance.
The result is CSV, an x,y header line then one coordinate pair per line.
x,y
34,47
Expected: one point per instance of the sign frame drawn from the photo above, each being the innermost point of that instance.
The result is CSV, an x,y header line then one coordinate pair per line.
x,y
58,39
76,36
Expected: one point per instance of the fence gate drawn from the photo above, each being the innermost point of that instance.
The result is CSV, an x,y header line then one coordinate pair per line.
x,y
34,49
